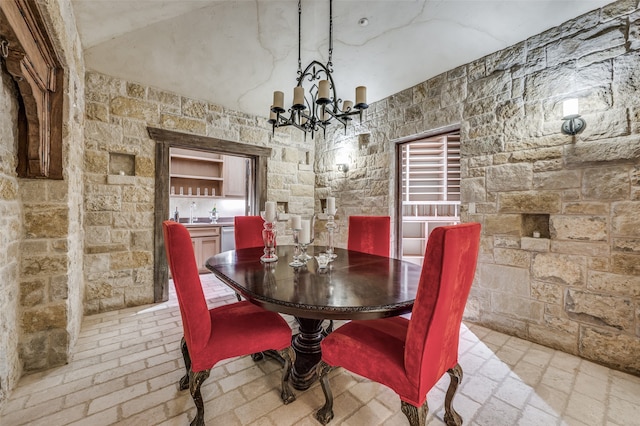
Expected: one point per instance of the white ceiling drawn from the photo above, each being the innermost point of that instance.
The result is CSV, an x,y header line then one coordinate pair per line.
x,y
236,53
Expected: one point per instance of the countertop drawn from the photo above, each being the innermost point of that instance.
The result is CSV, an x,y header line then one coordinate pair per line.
x,y
203,222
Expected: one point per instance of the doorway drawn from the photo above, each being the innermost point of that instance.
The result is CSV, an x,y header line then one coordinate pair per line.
x,y
429,190
165,141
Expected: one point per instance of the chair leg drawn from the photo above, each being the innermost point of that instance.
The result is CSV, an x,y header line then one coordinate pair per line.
x,y
417,416
195,381
184,381
451,417
328,330
325,414
289,357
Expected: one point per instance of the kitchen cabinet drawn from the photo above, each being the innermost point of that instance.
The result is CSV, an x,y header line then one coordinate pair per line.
x,y
196,173
234,176
206,243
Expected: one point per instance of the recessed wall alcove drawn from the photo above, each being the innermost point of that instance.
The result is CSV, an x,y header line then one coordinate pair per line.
x,y
535,223
122,164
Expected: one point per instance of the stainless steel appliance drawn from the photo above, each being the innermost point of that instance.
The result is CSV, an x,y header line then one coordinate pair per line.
x,y
227,239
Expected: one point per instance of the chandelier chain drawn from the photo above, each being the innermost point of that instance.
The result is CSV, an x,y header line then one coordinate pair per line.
x,y
329,63
299,36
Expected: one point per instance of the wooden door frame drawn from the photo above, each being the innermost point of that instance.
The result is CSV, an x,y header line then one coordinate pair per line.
x,y
398,174
167,139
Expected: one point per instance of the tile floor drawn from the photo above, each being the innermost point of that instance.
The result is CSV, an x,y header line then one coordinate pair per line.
x,y
127,363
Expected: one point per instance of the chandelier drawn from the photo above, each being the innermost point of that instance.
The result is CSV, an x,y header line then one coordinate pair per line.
x,y
318,106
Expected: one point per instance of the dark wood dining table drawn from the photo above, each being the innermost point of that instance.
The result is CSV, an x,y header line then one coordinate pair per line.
x,y
356,285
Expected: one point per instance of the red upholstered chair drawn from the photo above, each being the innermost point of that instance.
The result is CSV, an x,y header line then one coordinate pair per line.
x,y
369,234
410,356
248,231
211,335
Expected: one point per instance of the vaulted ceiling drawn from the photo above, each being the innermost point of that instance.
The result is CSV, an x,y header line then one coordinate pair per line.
x,y
235,53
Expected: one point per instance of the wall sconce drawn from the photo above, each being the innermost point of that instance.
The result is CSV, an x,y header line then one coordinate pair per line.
x,y
573,123
343,167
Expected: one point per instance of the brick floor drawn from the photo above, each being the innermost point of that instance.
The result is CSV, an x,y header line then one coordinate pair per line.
x,y
127,364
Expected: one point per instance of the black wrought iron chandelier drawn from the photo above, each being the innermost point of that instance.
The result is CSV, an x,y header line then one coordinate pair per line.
x,y
317,107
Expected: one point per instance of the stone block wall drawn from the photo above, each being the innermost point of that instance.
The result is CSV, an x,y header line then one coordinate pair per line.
x,y
119,210
10,237
577,288
41,286
367,187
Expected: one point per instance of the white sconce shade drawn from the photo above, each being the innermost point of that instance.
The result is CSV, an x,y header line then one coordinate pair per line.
x,y
573,123
570,108
343,160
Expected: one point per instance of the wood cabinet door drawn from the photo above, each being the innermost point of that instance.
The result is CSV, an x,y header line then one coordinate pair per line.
x,y
209,246
235,176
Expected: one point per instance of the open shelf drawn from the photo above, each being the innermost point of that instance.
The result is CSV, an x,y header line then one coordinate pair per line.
x,y
196,171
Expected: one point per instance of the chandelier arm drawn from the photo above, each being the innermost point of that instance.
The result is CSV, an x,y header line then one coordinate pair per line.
x,y
313,74
342,118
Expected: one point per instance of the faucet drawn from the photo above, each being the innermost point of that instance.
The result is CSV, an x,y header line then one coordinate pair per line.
x,y
192,208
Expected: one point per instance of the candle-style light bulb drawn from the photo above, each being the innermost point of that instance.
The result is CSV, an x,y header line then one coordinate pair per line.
x,y
323,92
298,97
278,101
361,97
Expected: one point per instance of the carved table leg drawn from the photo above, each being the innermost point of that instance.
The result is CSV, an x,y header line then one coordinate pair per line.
x,y
306,345
451,417
288,355
325,414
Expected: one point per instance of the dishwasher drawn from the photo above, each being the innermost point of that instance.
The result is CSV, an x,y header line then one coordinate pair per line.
x,y
227,239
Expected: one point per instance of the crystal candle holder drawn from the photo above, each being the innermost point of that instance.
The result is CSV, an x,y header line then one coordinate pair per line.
x,y
269,239
296,263
303,256
331,226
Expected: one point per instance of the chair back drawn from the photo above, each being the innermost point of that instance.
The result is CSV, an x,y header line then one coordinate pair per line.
x,y
370,234
196,320
447,274
248,231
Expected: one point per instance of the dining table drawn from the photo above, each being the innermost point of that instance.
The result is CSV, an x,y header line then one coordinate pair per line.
x,y
355,285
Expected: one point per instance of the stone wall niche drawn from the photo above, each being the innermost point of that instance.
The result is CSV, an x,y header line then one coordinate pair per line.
x,y
122,164
532,223
122,169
